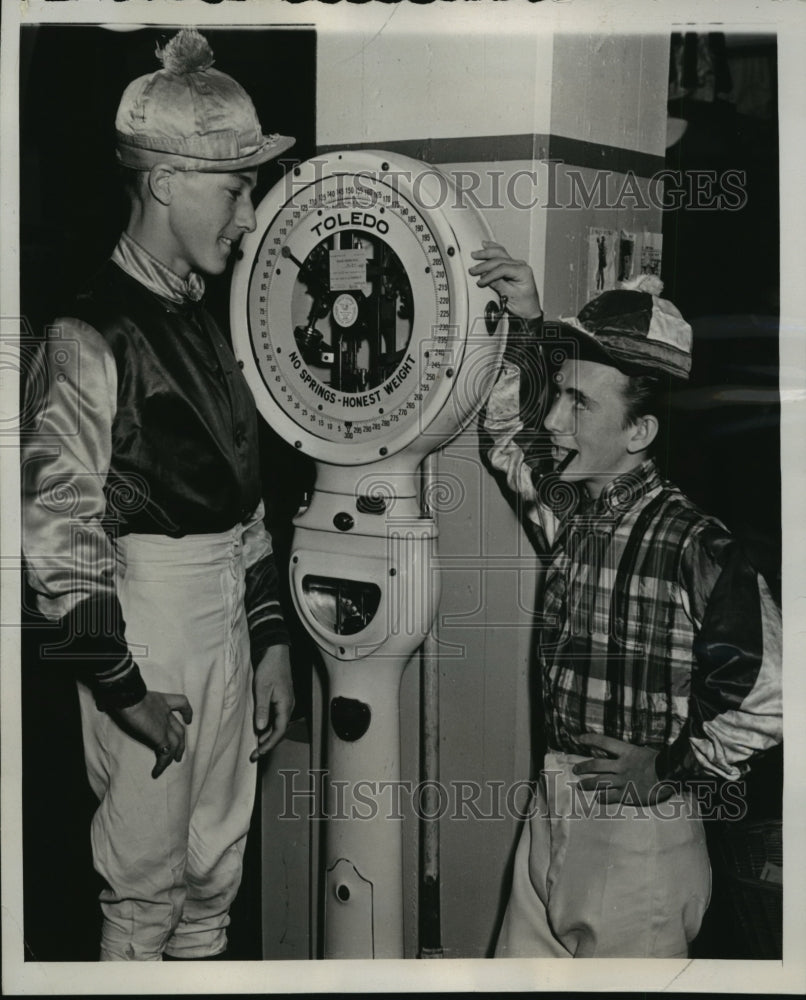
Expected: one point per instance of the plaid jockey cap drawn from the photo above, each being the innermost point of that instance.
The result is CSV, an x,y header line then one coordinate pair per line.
x,y
631,328
191,115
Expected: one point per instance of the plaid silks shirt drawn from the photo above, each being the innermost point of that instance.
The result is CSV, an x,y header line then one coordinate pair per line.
x,y
615,638
654,626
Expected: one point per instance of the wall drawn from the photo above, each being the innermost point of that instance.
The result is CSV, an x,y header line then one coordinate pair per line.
x,y
608,118
419,86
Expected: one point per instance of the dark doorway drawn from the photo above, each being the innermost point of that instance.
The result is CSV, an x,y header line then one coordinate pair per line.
x,y
721,268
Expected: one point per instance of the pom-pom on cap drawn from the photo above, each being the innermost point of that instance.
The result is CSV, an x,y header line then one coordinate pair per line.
x,y
633,329
187,52
191,115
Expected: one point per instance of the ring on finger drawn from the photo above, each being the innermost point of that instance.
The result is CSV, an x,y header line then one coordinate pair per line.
x,y
163,750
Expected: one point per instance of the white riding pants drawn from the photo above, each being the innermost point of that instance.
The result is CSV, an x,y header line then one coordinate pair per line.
x,y
171,848
631,884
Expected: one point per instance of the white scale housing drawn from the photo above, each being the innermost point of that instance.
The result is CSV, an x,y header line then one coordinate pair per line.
x,y
366,345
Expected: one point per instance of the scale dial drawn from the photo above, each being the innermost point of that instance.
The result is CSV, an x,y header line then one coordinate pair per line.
x,y
350,304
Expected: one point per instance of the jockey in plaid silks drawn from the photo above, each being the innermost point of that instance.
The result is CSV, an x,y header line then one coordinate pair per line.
x,y
659,643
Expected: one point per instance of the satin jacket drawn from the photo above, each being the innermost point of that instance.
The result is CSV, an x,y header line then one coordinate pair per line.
x,y
145,424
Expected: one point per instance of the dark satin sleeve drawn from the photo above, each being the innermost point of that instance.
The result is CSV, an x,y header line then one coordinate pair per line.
x,y
264,612
735,703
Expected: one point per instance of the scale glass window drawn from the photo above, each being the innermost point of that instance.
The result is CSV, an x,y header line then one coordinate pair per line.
x,y
352,311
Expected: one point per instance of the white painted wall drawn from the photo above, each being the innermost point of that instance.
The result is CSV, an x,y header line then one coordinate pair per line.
x,y
406,86
611,89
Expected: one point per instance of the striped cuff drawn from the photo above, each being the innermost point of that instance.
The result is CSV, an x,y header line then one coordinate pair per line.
x,y
121,687
92,638
266,629
264,613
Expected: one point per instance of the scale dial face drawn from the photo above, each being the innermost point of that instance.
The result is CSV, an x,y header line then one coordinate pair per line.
x,y
356,303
